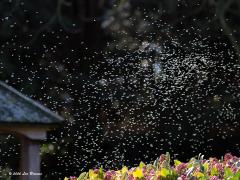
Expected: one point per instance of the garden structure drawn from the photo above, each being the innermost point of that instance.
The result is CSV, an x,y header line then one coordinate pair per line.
x,y
29,121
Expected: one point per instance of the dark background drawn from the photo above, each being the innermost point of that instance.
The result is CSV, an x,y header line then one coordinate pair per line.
x,y
132,78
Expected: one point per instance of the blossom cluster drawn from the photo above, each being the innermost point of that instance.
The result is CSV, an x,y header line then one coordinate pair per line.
x,y
198,168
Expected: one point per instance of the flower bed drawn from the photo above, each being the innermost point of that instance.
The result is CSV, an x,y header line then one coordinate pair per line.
x,y
228,168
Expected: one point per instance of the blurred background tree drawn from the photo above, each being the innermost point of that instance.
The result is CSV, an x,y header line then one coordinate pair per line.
x,y
133,78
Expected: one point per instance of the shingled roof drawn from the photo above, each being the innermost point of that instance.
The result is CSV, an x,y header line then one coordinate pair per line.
x,y
17,108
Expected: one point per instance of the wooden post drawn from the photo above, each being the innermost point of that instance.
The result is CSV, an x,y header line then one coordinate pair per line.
x,y
30,162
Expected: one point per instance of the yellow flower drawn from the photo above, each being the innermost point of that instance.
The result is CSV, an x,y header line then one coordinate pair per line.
x,y
138,173
92,175
65,178
164,172
124,170
198,175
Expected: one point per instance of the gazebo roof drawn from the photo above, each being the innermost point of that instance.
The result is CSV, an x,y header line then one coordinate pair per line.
x,y
15,108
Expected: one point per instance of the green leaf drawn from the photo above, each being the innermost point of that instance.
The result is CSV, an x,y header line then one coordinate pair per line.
x,y
124,176
199,175
168,159
141,165
214,171
228,173
206,167
155,164
164,172
190,164
82,175
237,176
101,175
177,162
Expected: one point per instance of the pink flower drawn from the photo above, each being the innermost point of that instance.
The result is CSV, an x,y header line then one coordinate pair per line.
x,y
214,178
213,160
109,175
96,171
220,167
229,164
183,177
150,175
130,177
144,169
228,157
162,158
234,169
73,178
181,167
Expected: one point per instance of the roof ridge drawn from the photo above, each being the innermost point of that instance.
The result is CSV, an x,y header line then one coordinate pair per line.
x,y
30,101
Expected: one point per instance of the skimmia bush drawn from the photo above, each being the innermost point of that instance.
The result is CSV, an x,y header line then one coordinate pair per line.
x,y
227,168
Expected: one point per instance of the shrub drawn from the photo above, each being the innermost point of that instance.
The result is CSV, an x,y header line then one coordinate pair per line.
x,y
227,168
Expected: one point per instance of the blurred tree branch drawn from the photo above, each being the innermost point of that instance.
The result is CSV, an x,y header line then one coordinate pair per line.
x,y
222,7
